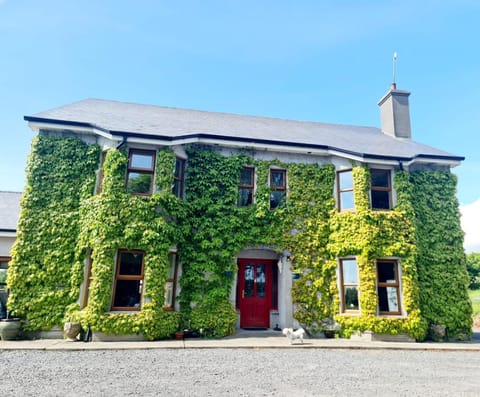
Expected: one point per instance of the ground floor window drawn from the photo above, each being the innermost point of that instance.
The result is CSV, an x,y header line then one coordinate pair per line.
x,y
128,285
171,282
388,287
3,285
88,281
349,285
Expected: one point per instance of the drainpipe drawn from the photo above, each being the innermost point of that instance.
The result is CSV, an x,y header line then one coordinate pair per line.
x,y
122,143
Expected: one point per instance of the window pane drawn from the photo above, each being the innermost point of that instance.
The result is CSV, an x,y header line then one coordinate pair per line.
x,y
246,176
173,263
380,199
249,281
177,188
127,293
388,299
3,278
169,294
386,272
277,179
179,165
351,298
345,180
346,201
380,178
130,264
276,198
260,281
139,183
245,197
141,160
350,274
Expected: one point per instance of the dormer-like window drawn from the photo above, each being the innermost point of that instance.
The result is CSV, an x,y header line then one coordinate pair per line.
x,y
381,189
278,187
140,171
345,190
179,178
246,187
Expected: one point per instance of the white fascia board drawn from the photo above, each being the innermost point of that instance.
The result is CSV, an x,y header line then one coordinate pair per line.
x,y
423,160
37,126
8,234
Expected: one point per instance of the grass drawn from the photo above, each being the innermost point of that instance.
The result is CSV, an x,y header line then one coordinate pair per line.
x,y
475,298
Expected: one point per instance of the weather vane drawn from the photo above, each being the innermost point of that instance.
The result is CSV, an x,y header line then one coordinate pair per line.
x,y
394,83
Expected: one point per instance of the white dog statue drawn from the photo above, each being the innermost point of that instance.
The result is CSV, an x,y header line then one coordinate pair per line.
x,y
292,335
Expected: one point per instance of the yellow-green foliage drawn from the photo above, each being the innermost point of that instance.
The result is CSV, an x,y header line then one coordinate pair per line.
x,y
370,235
116,220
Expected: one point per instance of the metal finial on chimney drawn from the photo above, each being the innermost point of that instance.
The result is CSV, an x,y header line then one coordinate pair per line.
x,y
393,86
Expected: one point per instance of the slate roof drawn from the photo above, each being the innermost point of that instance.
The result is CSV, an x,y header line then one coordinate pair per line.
x,y
129,119
9,210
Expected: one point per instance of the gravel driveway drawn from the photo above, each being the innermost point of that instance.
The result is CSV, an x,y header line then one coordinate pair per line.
x,y
239,372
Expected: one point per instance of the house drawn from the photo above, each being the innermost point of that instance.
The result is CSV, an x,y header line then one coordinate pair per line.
x,y
9,213
142,219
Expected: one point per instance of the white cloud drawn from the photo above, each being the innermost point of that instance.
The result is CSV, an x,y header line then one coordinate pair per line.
x,y
471,226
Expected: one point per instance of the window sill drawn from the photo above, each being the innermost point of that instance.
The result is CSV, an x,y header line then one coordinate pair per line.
x,y
396,316
350,314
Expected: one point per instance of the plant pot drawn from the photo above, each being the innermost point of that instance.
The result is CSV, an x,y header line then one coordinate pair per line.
x,y
179,335
10,329
329,333
71,330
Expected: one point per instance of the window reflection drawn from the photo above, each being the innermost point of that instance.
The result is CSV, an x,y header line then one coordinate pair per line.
x,y
260,280
249,281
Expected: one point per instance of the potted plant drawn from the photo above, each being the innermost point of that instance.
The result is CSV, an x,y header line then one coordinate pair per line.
x,y
330,328
72,326
10,328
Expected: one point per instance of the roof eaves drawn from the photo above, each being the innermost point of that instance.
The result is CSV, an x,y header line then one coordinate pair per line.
x,y
199,135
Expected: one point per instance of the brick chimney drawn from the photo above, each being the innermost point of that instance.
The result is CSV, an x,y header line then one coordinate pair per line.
x,y
395,113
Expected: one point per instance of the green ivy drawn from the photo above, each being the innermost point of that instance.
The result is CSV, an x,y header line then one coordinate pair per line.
x,y
60,174
116,220
370,235
441,261
62,224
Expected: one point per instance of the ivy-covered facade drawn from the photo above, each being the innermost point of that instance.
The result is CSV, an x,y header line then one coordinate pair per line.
x,y
136,231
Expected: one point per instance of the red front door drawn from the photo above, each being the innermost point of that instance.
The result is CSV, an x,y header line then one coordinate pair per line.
x,y
254,292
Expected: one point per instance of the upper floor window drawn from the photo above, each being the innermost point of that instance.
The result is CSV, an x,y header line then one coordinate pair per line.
x,y
349,285
101,172
179,178
388,287
381,189
128,284
278,187
140,172
345,190
247,186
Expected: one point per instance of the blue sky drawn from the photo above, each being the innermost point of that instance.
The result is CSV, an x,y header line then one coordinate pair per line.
x,y
308,60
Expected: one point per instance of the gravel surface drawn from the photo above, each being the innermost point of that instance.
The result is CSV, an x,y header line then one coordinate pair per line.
x,y
239,372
